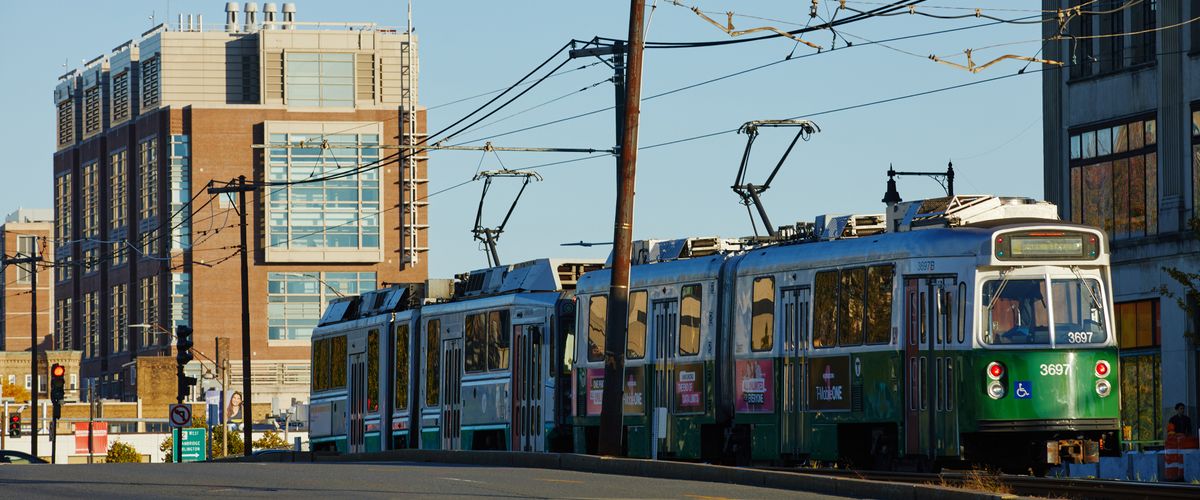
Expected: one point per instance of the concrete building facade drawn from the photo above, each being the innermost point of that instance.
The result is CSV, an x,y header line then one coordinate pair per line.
x,y
26,232
1122,152
142,248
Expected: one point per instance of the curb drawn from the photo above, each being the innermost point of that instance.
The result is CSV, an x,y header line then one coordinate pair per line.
x,y
793,481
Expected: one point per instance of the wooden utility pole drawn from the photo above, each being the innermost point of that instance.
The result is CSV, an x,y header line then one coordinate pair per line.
x,y
618,295
32,261
247,415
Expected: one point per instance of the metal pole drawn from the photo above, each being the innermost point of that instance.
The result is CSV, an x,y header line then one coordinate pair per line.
x,y
614,343
33,349
222,371
91,415
247,415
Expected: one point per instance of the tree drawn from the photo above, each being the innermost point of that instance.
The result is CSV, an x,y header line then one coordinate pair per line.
x,y
271,441
1189,300
19,393
121,452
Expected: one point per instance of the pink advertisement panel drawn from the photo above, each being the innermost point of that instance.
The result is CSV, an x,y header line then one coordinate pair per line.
x,y
595,390
755,387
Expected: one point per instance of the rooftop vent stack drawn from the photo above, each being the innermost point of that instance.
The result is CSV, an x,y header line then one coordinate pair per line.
x,y
231,22
199,22
251,17
179,26
289,15
269,11
191,27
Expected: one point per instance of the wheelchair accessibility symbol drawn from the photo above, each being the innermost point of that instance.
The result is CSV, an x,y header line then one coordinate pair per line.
x,y
1023,390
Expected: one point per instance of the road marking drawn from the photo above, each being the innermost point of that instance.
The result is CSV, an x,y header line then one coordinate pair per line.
x,y
703,497
567,481
462,480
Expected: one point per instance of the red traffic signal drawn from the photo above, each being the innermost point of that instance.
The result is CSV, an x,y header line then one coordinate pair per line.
x,y
16,419
58,370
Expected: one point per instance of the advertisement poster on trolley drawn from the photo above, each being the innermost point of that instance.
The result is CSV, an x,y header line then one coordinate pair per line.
x,y
689,388
634,396
829,379
755,391
595,390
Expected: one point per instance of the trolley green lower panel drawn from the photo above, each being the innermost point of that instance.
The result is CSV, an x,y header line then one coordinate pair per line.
x,y
824,442
431,439
371,442
468,437
639,441
339,443
764,442
685,437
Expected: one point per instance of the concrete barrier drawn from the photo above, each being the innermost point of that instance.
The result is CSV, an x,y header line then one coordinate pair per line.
x,y
1191,466
1146,466
1114,468
1083,471
793,481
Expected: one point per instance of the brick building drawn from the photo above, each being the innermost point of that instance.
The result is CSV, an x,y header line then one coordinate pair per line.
x,y
25,232
143,248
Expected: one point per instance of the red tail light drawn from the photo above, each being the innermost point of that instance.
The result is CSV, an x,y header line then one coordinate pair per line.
x,y
995,370
1102,368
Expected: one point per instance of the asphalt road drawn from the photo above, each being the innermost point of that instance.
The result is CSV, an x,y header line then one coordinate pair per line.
x,y
327,480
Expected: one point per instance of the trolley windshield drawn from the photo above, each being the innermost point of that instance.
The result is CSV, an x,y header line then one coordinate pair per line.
x,y
1019,311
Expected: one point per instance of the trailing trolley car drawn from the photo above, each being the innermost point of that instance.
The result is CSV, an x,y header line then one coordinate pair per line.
x,y
478,367
962,329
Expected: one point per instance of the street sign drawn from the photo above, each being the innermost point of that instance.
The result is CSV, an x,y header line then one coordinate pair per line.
x,y
193,445
213,398
180,416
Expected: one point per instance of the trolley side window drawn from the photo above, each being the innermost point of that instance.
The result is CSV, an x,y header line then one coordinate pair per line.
x,y
498,340
433,358
597,315
401,367
825,307
689,320
475,326
320,365
762,315
635,343
879,303
373,371
337,362
850,307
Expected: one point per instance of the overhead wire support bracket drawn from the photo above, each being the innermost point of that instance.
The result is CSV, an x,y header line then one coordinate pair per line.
x,y
489,235
749,192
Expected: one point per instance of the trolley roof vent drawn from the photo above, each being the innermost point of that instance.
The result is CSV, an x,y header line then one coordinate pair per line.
x,y
964,210
836,227
651,251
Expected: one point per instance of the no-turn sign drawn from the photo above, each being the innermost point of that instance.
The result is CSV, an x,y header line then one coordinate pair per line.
x,y
180,416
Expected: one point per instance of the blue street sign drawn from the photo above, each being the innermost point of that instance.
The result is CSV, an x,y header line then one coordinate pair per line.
x,y
1023,389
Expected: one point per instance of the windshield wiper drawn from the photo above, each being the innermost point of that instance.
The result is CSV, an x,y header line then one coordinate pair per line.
x,y
1091,291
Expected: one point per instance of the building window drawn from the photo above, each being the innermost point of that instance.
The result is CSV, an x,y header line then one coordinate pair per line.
x,y
26,246
1112,46
295,301
91,110
62,201
342,213
66,122
28,382
1080,44
1139,338
150,87
120,323
120,97
148,196
181,191
148,304
320,79
118,206
1196,157
62,324
91,325
1114,178
181,294
1143,20
74,382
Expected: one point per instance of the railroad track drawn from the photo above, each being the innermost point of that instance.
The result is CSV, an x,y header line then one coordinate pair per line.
x,y
1023,485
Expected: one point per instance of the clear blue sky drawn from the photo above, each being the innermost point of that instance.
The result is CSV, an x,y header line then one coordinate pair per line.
x,y
992,131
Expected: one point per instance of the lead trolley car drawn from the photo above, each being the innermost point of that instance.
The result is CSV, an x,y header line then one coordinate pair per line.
x,y
967,329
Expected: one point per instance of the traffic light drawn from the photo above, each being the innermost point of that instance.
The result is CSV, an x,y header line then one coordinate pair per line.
x,y
57,372
183,344
14,426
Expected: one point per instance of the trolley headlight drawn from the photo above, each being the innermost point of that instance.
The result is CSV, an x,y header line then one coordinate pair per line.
x,y
996,390
1102,368
1103,388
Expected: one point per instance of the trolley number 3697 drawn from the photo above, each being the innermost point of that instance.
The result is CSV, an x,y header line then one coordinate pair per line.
x,y
1053,369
